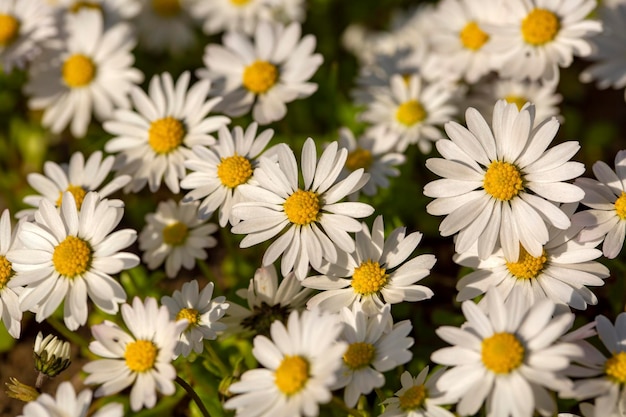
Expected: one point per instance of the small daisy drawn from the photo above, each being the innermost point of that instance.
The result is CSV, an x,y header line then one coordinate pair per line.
x,y
299,362
166,25
90,72
606,198
264,73
219,170
201,312
500,184
508,356
369,275
317,223
230,15
141,359
10,312
175,235
154,140
113,11
71,253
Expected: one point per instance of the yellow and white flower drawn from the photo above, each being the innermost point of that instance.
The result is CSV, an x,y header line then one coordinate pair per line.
x,y
230,15
10,312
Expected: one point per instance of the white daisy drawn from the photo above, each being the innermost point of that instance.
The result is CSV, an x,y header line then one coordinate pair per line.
x,y
175,235
113,11
219,170
606,198
299,366
201,312
166,26
500,185
264,73
317,223
374,347
141,357
154,141
375,273
24,26
10,312
71,253
508,356
230,15
89,72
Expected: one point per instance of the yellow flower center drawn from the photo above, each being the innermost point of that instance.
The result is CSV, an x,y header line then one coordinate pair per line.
x,y
140,355
166,134
191,314
472,37
79,5
615,368
502,353
240,2
72,257
77,191
302,207
413,398
292,374
166,8
359,158
410,112
540,26
359,355
9,29
6,271
503,180
527,266
78,71
175,234
260,76
620,206
519,101
234,170
369,278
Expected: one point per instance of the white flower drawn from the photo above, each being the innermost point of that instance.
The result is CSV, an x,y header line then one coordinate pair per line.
x,y
89,72
10,312
71,253
299,366
263,74
113,11
230,15
155,140
375,273
500,184
218,171
175,235
51,354
166,25
507,356
316,222
141,359
201,312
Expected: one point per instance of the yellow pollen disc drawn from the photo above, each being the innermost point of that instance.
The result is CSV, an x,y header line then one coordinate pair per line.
x,y
359,158
292,374
234,170
410,112
302,207
78,71
503,180
502,353
191,314
166,8
369,278
540,26
260,76
240,2
166,134
527,266
615,368
472,37
72,257
6,271
620,206
359,355
413,398
175,234
77,191
519,101
140,355
9,29
79,5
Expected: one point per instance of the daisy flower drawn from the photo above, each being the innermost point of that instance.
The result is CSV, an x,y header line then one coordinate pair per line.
x,y
10,312
218,171
113,11
68,404
89,72
264,73
141,357
606,198
175,235
375,273
230,15
500,185
299,362
374,347
24,26
201,312
267,301
508,356
412,109
154,141
166,25
71,253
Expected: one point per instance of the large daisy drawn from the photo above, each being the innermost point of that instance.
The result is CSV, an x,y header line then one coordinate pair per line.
x,y
10,312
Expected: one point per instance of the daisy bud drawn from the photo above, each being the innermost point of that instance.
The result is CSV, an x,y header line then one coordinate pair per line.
x,y
52,356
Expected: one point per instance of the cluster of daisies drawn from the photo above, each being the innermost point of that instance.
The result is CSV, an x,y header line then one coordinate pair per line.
x,y
318,310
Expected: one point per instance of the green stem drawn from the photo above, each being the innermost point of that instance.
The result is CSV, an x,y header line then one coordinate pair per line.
x,y
339,403
214,357
206,271
193,395
68,335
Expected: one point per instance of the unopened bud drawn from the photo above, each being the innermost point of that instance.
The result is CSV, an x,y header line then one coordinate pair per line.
x,y
52,356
